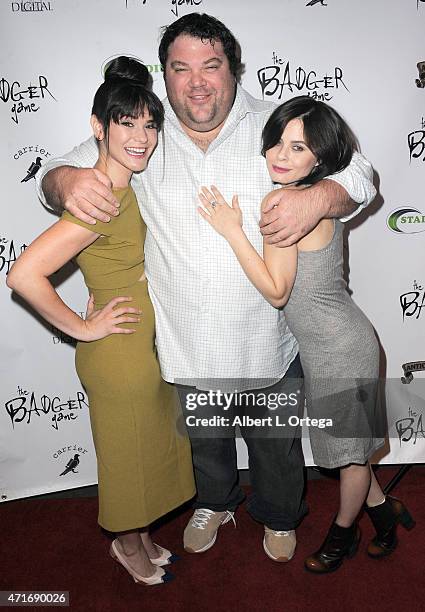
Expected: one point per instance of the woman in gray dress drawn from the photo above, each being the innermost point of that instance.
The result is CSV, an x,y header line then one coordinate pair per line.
x,y
304,141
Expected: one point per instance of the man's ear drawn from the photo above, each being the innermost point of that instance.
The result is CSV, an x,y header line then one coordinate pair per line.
x,y
97,128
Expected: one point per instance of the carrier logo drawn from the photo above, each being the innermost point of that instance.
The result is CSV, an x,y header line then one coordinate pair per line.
x,y
31,7
406,221
74,461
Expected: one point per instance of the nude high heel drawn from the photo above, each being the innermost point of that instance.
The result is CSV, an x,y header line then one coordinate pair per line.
x,y
159,577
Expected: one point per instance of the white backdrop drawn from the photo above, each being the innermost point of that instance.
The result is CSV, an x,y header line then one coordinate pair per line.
x,y
361,56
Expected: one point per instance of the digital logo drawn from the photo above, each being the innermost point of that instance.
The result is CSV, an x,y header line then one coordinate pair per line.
x,y
27,405
406,221
279,78
413,302
31,7
22,96
421,69
313,2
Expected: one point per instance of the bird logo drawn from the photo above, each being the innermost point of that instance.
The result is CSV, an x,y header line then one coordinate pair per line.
x,y
32,170
71,466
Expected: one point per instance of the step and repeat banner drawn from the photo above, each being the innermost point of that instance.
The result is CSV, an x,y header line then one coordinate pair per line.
x,y
366,58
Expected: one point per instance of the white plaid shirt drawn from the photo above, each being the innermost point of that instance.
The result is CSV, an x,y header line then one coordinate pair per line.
x,y
211,323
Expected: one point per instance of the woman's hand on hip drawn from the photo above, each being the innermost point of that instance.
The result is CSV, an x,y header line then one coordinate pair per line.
x,y
106,321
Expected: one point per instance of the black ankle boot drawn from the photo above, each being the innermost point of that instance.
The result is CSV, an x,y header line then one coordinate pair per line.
x,y
339,543
385,519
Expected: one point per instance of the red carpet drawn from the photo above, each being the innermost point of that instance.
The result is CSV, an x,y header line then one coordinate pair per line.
x,y
56,544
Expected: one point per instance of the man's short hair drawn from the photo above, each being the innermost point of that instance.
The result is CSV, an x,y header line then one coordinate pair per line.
x,y
204,27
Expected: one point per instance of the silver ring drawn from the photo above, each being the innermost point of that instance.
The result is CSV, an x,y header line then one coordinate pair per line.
x,y
213,203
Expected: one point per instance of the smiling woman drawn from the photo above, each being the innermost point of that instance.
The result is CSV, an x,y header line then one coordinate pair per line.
x,y
144,464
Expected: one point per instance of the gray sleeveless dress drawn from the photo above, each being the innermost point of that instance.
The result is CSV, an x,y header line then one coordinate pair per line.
x,y
340,358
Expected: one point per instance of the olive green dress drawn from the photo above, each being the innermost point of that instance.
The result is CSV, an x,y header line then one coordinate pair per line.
x,y
144,464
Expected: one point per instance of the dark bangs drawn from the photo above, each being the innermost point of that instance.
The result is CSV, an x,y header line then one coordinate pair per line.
x,y
118,98
325,132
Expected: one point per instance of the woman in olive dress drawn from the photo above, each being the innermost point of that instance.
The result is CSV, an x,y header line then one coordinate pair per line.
x,y
144,464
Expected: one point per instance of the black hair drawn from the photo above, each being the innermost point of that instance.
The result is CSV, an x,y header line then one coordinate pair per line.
x,y
206,28
125,93
325,132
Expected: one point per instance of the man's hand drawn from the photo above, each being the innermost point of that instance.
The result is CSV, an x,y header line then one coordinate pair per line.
x,y
287,215
84,192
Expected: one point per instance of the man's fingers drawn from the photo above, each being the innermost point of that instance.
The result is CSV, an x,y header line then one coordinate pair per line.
x,y
104,192
99,201
272,228
75,211
270,201
85,205
270,217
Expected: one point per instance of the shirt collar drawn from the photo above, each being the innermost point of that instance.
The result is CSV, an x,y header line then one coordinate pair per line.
x,y
244,104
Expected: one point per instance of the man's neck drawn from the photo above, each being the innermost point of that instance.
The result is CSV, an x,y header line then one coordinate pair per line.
x,y
202,139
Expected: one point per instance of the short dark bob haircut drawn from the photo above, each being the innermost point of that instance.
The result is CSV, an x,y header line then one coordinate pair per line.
x,y
125,93
325,132
204,27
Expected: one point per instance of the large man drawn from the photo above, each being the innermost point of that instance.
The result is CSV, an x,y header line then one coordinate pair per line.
x,y
212,325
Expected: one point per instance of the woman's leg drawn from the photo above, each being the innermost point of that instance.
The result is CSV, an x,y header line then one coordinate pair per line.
x,y
149,546
354,487
131,546
343,536
375,496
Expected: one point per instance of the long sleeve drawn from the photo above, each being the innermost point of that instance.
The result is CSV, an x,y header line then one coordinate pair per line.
x,y
81,156
357,180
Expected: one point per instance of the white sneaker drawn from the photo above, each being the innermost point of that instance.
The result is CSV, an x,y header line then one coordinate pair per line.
x,y
201,531
279,545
